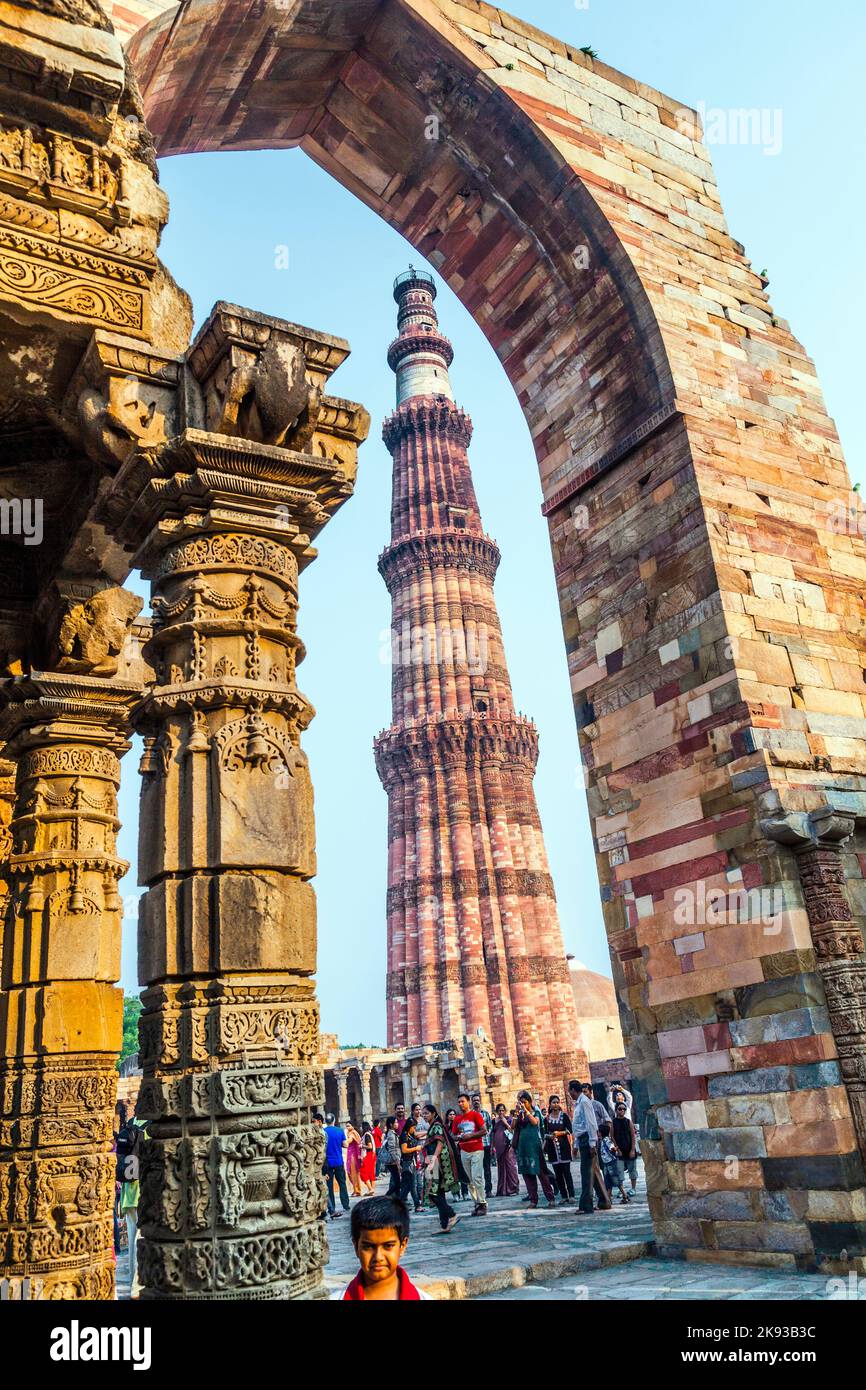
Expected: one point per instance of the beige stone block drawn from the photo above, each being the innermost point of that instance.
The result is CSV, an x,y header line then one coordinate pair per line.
x,y
81,1016
257,920
764,661
824,701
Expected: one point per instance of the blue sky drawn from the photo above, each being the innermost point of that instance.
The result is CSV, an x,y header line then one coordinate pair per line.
x,y
799,212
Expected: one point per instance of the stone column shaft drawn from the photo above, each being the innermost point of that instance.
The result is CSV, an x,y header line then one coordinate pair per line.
x,y
60,1009
342,1080
366,1101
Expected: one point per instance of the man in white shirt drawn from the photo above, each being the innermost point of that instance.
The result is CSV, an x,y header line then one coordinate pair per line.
x,y
584,1125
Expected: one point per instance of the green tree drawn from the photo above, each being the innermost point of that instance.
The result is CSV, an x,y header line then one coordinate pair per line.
x,y
131,1012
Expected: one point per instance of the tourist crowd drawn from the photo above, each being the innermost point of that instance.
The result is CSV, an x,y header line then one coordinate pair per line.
x,y
431,1159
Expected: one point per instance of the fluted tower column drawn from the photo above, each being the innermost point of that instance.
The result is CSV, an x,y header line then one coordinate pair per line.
x,y
473,933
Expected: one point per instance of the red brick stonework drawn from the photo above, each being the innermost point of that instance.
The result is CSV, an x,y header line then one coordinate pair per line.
x,y
708,551
473,932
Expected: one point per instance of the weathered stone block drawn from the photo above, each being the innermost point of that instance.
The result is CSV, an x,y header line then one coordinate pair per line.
x,y
757,1082
741,1142
822,1172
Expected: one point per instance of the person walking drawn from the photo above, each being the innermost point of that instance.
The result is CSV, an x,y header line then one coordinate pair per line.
x,y
450,1117
319,1122
488,1152
502,1141
625,1138
368,1159
601,1118
390,1156
130,1141
441,1168
335,1164
410,1147
528,1145
399,1118
468,1130
420,1123
557,1148
585,1130
353,1158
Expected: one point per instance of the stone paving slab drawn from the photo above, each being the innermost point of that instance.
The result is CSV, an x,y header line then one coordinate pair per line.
x,y
670,1281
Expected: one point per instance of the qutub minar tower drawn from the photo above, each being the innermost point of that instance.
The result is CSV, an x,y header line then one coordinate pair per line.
x,y
473,932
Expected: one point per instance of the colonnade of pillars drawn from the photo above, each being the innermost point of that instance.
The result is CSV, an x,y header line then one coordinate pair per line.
x,y
429,1089
255,458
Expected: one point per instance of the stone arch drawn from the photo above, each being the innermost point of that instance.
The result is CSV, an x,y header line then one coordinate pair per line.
x,y
359,104
689,473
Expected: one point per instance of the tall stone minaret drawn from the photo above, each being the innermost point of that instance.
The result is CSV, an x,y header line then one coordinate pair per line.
x,y
473,933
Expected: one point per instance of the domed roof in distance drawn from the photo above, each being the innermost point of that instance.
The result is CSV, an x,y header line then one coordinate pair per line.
x,y
594,994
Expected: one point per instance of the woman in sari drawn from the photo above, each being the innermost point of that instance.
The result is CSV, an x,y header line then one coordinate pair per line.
x,y
353,1158
368,1159
528,1143
463,1180
507,1183
442,1177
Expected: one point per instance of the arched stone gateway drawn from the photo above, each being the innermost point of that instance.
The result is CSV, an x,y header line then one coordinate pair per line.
x,y
709,563
708,571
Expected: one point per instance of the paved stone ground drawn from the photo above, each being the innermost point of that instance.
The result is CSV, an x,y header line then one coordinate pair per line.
x,y
514,1253
666,1280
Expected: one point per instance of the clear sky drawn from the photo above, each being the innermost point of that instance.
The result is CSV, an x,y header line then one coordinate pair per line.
x,y
795,199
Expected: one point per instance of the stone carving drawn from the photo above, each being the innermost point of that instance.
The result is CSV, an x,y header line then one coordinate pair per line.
x,y
92,633
267,397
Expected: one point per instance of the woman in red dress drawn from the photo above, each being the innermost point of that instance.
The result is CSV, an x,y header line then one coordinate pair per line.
x,y
368,1159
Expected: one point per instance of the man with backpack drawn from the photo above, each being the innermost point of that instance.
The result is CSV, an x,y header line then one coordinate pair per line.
x,y
131,1138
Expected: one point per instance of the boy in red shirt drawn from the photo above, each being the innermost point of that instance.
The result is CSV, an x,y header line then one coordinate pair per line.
x,y
380,1234
468,1128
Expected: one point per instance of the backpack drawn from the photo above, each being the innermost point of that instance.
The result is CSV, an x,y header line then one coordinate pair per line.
x,y
128,1152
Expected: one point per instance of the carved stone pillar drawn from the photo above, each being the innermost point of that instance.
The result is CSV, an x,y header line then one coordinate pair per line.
x,y
221,519
407,1088
366,1102
342,1080
383,1093
817,841
435,1081
7,803
60,1010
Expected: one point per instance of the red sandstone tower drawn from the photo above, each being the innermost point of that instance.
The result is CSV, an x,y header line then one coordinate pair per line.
x,y
473,931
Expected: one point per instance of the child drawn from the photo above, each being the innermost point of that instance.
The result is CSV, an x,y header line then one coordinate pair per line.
x,y
611,1160
380,1234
